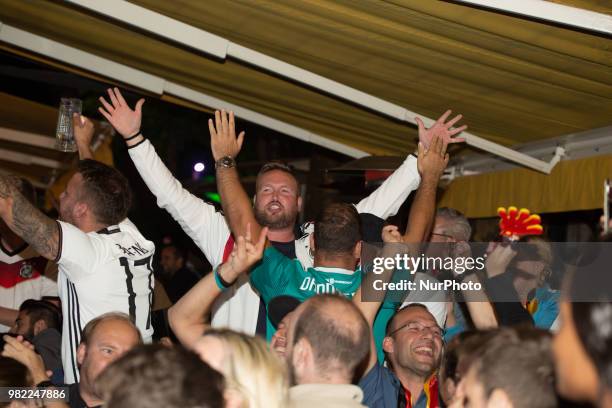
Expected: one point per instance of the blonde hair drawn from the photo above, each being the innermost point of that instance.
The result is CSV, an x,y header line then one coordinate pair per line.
x,y
252,370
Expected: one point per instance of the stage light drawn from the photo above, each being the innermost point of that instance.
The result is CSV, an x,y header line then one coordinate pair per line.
x,y
199,167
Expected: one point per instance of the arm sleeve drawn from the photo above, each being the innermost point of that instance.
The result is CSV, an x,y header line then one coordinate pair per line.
x,y
200,221
78,251
386,200
509,310
271,276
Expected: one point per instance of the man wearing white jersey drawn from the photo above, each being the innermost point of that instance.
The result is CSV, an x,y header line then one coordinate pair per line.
x,y
21,269
277,203
104,262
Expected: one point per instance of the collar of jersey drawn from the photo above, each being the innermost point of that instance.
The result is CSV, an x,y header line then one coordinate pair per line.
x,y
334,270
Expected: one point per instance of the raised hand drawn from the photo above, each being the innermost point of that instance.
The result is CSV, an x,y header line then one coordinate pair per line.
x,y
432,162
19,349
223,140
83,129
244,255
440,129
390,234
498,260
125,120
83,135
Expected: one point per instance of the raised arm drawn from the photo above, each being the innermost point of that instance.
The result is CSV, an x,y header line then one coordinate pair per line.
x,y
83,134
27,221
386,200
188,316
369,308
432,163
200,220
225,146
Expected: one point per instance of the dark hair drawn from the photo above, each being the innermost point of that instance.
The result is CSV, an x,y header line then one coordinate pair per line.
x,y
337,331
13,374
90,327
337,229
43,310
106,190
519,363
156,376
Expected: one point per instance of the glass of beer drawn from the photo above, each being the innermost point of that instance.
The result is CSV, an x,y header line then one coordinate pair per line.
x,y
65,133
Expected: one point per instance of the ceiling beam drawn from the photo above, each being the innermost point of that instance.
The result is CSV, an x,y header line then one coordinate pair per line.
x,y
32,139
28,159
548,11
178,31
135,78
36,183
577,145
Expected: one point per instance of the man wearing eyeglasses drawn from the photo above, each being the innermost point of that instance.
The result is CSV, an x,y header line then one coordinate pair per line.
x,y
413,348
413,340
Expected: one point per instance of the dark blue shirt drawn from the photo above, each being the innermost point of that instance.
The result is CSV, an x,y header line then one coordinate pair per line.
x,y
382,389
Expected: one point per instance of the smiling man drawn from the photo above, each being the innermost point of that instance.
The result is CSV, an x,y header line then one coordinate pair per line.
x,y
413,347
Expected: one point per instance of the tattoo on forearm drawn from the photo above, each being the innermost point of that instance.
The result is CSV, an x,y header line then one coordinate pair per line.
x,y
30,223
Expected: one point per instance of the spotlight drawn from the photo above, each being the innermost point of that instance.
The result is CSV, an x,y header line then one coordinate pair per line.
x,y
199,167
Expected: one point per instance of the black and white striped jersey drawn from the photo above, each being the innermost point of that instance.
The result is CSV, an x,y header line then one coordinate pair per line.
x,y
105,271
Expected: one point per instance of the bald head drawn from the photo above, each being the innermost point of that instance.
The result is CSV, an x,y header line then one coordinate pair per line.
x,y
336,330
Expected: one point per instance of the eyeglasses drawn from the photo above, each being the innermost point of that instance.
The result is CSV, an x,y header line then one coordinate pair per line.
x,y
443,235
418,328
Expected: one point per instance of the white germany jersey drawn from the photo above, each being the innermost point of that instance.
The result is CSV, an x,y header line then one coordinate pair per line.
x,y
21,278
100,272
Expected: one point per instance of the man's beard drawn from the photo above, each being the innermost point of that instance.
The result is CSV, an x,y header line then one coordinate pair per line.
x,y
274,222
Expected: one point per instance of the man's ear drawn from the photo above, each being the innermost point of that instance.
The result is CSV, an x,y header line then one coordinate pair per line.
x,y
254,199
499,399
357,250
80,210
81,352
39,326
312,242
388,344
302,356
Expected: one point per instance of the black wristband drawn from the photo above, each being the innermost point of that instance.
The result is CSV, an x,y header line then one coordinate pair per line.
x,y
137,144
133,136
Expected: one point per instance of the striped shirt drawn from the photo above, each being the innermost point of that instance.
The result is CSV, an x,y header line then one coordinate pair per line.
x,y
99,272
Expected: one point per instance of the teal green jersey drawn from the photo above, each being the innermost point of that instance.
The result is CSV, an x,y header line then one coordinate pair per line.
x,y
278,275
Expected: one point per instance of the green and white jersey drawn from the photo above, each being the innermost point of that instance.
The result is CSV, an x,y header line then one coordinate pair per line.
x,y
278,275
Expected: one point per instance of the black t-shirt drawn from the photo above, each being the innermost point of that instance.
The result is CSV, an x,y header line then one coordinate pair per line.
x,y
74,398
180,283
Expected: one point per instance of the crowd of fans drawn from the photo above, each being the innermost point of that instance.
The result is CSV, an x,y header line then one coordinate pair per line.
x,y
288,316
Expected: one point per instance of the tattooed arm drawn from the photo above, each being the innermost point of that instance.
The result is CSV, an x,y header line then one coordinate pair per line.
x,y
28,221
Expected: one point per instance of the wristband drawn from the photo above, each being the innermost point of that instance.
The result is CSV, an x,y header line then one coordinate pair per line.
x,y
133,136
221,283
